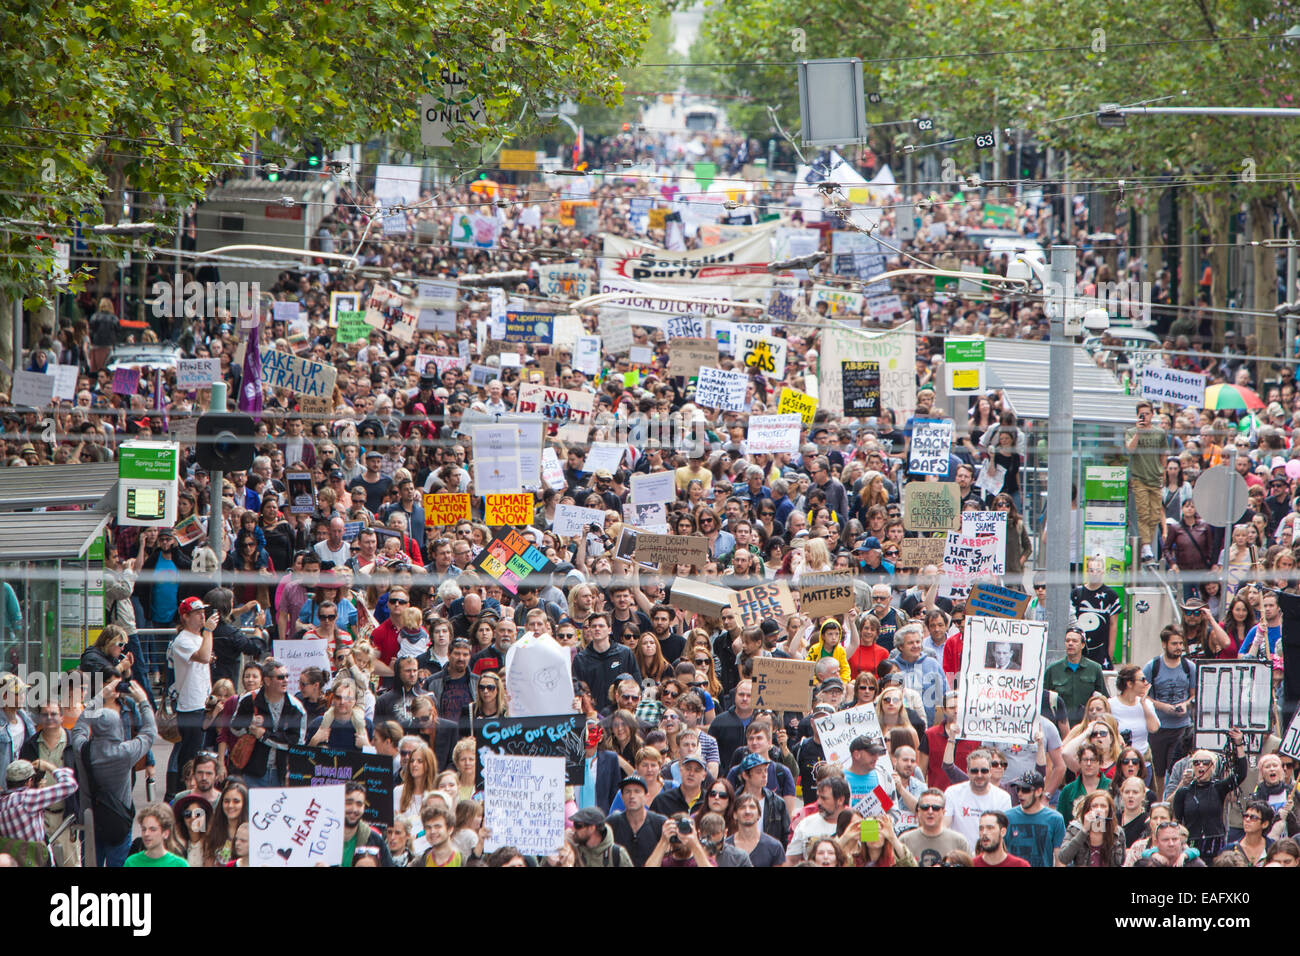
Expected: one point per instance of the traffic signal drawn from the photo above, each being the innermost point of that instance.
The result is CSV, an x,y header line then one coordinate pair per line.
x,y
315,154
225,441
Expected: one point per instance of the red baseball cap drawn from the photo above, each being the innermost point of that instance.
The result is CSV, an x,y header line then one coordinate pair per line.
x,y
191,604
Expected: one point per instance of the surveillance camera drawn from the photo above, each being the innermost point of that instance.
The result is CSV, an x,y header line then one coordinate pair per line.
x,y
1096,320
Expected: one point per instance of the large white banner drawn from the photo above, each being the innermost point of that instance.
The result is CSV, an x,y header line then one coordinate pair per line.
x,y
1001,675
295,826
523,802
740,262
894,350
652,304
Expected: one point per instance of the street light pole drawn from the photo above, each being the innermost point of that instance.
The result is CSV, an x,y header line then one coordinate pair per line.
x,y
216,531
1060,449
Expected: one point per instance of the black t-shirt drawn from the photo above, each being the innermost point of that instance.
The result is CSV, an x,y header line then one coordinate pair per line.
x,y
642,843
637,621
769,851
1093,612
672,646
375,491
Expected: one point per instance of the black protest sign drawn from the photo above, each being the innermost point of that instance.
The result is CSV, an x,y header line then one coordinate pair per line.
x,y
557,736
318,766
861,382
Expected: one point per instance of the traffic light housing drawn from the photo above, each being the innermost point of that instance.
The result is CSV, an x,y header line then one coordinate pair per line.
x,y
225,441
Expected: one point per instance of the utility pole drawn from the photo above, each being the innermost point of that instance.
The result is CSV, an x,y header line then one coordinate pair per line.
x,y
215,480
1060,448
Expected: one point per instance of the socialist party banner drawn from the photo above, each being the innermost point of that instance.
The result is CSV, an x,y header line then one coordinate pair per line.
x,y
1001,675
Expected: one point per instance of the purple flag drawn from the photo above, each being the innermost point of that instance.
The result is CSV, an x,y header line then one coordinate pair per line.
x,y
250,385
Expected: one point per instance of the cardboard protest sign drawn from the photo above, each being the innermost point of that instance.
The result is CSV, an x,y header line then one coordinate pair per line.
x,y
197,373
298,655
1233,694
445,509
823,595
36,389
315,405
559,735
721,389
523,803
837,731
773,434
1172,385
861,382
993,600
322,766
302,494
796,402
571,520
755,605
295,826
920,552
510,557
1002,664
931,506
965,561
504,510
781,684
302,376
696,597
659,486
686,356
567,411
931,446
988,524
766,353
671,549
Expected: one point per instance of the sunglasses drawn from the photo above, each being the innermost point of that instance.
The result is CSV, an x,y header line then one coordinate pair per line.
x,y
1202,763
979,770
723,795
998,763
668,694
191,814
398,601
929,808
329,617
1100,733
1251,816
1131,761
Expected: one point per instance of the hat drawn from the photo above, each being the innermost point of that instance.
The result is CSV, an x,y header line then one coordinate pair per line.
x,y
636,780
1277,462
181,803
869,543
374,453
335,474
588,817
190,605
830,683
1029,780
693,758
829,622
872,745
770,627
20,771
824,709
603,473
753,760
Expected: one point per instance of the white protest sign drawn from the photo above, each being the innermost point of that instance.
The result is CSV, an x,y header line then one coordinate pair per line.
x,y
773,434
659,486
988,524
65,381
523,802
965,561
1290,746
728,333
32,389
496,459
285,311
437,293
605,455
197,373
552,472
565,280
1002,663
894,350
615,334
1173,385
990,478
764,352
641,355
685,327
837,731
302,376
531,430
570,520
652,517
718,388
297,656
931,446
296,826
1233,695
586,355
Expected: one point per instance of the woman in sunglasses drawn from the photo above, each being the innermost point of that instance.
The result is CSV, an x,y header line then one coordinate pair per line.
x,y
192,813
1131,708
489,698
719,798
1103,734
1130,765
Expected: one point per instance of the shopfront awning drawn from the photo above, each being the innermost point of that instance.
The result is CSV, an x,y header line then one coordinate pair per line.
x,y
49,535
47,485
1020,369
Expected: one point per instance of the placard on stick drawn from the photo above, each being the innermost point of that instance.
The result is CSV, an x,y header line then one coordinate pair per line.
x,y
932,506
1233,694
781,684
821,595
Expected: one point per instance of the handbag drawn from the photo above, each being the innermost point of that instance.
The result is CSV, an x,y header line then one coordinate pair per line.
x,y
169,728
242,752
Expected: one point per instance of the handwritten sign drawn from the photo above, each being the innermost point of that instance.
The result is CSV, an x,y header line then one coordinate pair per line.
x,y
757,604
965,560
566,281
658,486
988,524
1173,385
993,600
721,389
445,509
302,376
65,381
773,434
323,766
567,411
513,509
570,520
197,373
392,313
861,382
523,803
559,735
1233,694
767,353
931,446
931,506
822,595
920,552
781,684
295,826
1001,674
672,549
126,381
686,356
837,731
36,389
686,327
797,403
510,557
297,656
1291,740
352,327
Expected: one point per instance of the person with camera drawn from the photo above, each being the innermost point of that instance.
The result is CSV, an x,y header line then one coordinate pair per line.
x,y
1094,839
679,846
24,801
191,659
1148,448
1199,799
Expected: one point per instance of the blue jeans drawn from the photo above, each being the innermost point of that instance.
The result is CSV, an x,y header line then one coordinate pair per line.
x,y
113,856
269,779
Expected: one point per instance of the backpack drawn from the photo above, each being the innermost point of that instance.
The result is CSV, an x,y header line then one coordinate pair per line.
x,y
611,856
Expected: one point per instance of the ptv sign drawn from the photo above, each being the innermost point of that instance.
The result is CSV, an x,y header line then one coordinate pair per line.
x,y
451,107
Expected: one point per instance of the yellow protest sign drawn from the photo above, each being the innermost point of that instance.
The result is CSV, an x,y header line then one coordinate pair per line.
x,y
443,509
513,509
796,402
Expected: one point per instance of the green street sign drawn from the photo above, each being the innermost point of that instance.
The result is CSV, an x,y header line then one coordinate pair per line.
x,y
149,461
963,351
1105,483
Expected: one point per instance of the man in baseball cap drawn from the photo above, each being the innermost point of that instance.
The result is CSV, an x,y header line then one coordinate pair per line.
x,y
636,828
593,841
861,774
23,803
191,655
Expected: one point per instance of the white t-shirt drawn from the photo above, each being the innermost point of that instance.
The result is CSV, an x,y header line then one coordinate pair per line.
x,y
193,679
965,807
1133,719
810,829
17,734
339,557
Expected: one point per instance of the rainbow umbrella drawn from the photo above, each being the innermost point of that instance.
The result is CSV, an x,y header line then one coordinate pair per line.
x,y
1232,397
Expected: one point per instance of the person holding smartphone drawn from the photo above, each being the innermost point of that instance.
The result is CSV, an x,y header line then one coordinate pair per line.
x,y
191,653
1148,448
